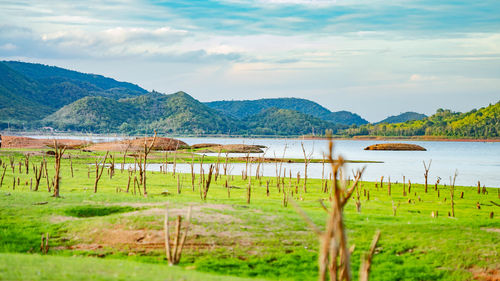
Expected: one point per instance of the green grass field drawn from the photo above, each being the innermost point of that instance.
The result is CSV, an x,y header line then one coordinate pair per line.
x,y
114,235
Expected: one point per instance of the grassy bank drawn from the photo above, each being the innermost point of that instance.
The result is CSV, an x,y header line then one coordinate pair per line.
x,y
111,234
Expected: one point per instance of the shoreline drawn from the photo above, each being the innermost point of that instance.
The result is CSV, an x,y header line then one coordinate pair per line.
x,y
415,138
355,138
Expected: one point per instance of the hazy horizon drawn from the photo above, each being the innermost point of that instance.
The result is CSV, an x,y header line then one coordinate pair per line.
x,y
372,58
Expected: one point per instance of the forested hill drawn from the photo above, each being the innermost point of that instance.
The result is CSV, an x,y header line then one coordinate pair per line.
x,y
48,75
20,97
283,122
177,113
33,96
403,117
477,123
241,109
30,92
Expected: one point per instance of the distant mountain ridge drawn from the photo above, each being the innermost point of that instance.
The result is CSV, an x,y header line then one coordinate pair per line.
x,y
34,95
46,74
19,97
241,109
30,92
177,113
403,117
282,122
478,123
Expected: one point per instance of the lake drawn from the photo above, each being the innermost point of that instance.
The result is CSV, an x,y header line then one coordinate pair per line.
x,y
473,161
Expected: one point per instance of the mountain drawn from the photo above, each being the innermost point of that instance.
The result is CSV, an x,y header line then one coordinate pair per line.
x,y
477,123
403,117
19,100
48,75
36,95
286,122
93,114
185,115
30,92
345,118
244,108
176,113
481,123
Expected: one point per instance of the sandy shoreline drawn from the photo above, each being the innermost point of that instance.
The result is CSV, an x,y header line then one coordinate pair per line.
x,y
68,137
441,139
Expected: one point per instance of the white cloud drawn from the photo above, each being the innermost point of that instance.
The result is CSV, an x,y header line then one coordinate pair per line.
x,y
420,78
118,40
300,2
8,47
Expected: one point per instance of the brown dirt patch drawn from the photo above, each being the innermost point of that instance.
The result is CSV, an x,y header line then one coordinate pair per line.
x,y
485,274
229,148
205,145
25,142
242,148
205,233
396,147
198,212
205,236
138,144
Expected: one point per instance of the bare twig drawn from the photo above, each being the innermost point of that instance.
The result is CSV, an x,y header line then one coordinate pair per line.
x,y
99,168
174,254
366,261
59,151
426,173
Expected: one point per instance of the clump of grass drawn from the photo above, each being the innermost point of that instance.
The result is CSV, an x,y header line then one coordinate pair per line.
x,y
92,211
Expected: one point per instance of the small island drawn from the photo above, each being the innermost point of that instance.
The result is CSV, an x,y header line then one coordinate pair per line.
x,y
396,147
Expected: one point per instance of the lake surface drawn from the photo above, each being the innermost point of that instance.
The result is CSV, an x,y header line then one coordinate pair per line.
x,y
473,161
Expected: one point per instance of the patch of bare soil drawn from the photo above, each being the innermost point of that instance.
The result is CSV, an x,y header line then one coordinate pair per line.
x,y
396,147
138,144
229,148
205,145
122,237
25,142
198,212
485,274
242,148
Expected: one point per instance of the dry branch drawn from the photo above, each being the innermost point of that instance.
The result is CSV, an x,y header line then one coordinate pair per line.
x,y
426,173
452,193
334,254
59,151
207,185
99,168
366,262
147,150
174,254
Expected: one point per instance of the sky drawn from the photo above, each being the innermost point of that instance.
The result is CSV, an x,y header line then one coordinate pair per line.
x,y
375,58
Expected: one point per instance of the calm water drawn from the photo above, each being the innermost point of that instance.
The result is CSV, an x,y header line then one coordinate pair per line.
x,y
472,160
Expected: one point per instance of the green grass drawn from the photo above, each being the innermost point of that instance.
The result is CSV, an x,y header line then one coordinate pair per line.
x,y
37,267
229,237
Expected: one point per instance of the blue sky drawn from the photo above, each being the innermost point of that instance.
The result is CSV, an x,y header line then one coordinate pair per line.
x,y
375,58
